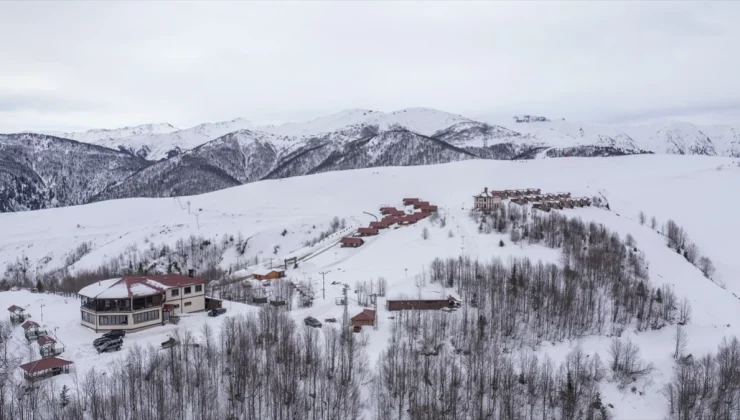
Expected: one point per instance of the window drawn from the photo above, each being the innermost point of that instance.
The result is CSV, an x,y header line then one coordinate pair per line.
x,y
88,317
113,319
175,292
199,288
188,290
188,303
146,316
177,306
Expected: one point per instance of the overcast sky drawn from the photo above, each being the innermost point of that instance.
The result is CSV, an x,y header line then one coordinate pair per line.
x,y
80,65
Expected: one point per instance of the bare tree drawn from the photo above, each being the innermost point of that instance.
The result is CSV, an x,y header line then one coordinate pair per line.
x,y
706,266
642,217
653,222
680,338
425,233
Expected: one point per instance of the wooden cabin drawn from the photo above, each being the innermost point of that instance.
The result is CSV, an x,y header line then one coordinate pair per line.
x,y
367,231
410,201
568,204
429,209
387,210
379,225
364,318
555,205
351,242
268,273
420,204
541,206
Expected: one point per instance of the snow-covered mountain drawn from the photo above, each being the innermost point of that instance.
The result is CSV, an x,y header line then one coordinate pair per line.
x,y
211,156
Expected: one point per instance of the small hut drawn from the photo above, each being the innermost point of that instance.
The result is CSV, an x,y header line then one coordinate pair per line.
x,y
366,317
33,330
351,242
17,314
45,368
367,231
49,347
410,201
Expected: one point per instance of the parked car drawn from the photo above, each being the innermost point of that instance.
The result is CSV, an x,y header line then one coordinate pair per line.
x,y
110,335
217,312
330,320
114,344
312,322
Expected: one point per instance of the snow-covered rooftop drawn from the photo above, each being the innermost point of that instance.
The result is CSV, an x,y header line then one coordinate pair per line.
x,y
126,287
265,271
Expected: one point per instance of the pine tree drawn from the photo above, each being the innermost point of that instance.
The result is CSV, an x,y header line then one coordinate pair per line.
x,y
39,286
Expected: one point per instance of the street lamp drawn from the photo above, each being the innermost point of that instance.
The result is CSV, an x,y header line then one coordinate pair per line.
x,y
42,312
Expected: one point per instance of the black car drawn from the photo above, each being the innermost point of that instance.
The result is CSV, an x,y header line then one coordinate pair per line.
x,y
110,335
113,344
217,312
312,322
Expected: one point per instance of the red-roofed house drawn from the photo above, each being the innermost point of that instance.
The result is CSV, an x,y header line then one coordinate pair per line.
x,y
410,201
366,317
367,231
379,225
45,368
136,302
351,242
429,209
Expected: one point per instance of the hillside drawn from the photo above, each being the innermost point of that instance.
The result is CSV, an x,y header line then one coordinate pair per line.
x,y
267,221
213,156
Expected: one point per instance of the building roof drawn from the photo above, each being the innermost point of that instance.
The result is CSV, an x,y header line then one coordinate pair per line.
x,y
15,308
266,271
351,240
46,340
365,315
132,286
29,324
45,364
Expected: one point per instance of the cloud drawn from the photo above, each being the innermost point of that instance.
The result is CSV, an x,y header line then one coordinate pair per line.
x,y
190,62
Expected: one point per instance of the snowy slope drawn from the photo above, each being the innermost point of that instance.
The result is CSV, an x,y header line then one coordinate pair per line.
x,y
655,184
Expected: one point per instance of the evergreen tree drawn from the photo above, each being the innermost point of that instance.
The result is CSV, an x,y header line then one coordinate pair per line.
x,y
64,397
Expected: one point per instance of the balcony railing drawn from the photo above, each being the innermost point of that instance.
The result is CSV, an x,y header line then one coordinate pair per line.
x,y
136,308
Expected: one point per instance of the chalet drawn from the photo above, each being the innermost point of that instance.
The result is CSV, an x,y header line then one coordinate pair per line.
x,y
366,317
410,201
409,219
137,302
387,210
396,212
379,225
45,368
429,209
488,200
33,330
564,195
350,242
420,204
367,231
568,204
533,191
268,273
17,314
555,205
541,206
390,220
421,304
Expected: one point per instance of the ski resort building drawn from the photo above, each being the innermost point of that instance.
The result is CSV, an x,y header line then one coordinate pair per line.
x,y
421,304
133,303
366,317
268,274
351,242
45,368
488,200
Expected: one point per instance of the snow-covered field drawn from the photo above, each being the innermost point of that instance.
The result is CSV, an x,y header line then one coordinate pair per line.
x,y
699,193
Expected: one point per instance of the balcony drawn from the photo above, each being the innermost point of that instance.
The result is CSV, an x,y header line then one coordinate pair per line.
x,y
121,305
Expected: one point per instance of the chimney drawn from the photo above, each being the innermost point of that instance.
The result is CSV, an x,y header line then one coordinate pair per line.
x,y
485,190
191,272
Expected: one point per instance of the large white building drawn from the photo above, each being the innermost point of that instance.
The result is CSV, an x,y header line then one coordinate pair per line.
x,y
132,303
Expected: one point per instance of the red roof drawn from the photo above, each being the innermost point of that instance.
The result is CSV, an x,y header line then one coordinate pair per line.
x,y
367,230
46,340
28,324
15,308
45,364
350,240
365,315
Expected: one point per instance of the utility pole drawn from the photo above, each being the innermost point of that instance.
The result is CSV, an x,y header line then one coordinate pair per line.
x,y
323,283
42,313
188,207
345,317
197,221
375,308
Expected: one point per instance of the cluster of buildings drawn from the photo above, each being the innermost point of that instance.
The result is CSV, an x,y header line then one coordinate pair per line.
x,y
391,216
491,200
